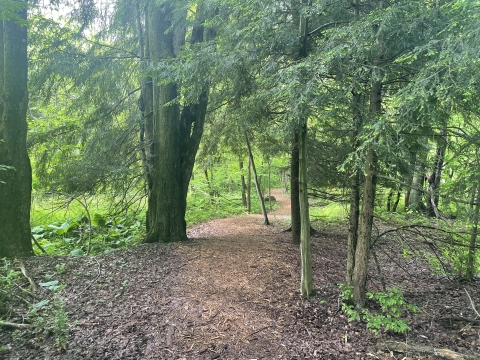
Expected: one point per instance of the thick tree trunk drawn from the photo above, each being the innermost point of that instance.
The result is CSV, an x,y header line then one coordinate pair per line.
x,y
16,182
257,184
306,284
177,133
294,190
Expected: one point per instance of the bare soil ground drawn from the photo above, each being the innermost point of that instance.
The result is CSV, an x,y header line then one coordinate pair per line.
x,y
231,292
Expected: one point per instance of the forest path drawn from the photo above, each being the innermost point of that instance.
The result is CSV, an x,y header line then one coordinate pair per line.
x,y
230,292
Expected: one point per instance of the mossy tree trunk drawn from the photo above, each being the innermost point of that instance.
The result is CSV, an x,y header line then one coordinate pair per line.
x,y
16,181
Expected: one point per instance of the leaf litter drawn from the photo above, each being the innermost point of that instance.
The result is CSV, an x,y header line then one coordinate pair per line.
x,y
232,292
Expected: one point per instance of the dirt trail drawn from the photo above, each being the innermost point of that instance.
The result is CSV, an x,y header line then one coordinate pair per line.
x,y
231,292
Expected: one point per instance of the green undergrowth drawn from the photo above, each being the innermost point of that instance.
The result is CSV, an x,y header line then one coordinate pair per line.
x,y
388,310
68,230
45,317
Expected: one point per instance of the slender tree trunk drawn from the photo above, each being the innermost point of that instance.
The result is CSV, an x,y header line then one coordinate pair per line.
x,y
473,241
389,200
257,184
397,200
435,177
269,188
306,287
16,182
244,185
366,218
294,190
354,210
249,186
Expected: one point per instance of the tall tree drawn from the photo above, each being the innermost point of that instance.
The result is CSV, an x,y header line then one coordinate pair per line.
x,y
177,129
16,180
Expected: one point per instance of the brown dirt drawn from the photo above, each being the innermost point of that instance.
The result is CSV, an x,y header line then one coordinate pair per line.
x,y
231,292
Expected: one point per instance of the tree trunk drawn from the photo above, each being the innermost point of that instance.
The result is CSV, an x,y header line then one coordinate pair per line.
x,y
306,285
435,177
16,181
294,190
244,185
366,218
257,184
179,132
473,241
389,200
249,186
397,200
354,190
145,104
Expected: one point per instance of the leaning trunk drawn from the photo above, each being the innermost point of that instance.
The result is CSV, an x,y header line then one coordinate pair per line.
x,y
257,183
16,181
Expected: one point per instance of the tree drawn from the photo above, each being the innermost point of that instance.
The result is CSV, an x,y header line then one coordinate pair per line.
x,y
178,130
16,180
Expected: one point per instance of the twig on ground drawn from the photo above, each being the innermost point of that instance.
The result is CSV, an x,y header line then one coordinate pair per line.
x,y
257,331
99,273
24,272
471,303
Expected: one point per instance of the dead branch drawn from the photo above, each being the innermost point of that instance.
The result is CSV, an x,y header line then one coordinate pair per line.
x,y
403,347
24,272
471,303
15,325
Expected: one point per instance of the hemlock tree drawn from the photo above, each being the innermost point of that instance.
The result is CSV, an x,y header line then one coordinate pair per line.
x,y
177,129
16,180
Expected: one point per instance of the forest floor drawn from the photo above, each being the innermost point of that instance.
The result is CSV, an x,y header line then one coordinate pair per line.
x,y
232,292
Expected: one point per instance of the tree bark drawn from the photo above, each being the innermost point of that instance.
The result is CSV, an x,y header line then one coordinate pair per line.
x,y
177,132
306,284
294,190
354,211
435,177
244,185
366,218
257,184
16,185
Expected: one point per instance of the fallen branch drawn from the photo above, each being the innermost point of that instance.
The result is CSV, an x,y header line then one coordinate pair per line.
x,y
471,303
402,347
24,272
15,325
